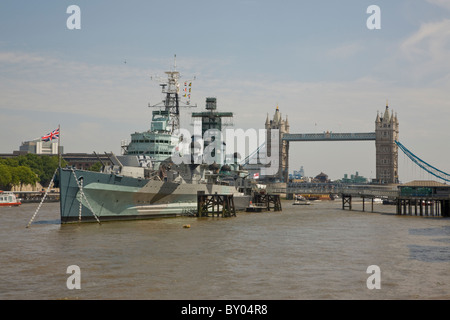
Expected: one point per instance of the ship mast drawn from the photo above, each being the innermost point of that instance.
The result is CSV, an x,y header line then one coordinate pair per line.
x,y
171,90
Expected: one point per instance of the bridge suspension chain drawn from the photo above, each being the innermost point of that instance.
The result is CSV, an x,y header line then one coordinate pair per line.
x,y
424,165
254,153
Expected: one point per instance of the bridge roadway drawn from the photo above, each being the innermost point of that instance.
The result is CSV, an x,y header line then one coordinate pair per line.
x,y
330,136
354,190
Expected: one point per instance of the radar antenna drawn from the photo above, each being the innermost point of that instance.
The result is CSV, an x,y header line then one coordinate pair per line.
x,y
171,89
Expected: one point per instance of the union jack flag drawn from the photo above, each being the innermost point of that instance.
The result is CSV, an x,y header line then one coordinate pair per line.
x,y
52,135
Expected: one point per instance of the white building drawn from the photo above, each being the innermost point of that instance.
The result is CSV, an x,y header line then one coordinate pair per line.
x,y
40,147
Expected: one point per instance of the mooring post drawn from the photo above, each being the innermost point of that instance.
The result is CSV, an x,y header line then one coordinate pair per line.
x,y
212,202
346,199
446,208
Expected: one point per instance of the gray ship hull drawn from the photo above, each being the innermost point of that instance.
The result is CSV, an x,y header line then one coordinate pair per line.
x,y
90,196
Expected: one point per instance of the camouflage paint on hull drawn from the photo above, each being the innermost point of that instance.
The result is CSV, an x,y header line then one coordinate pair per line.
x,y
114,197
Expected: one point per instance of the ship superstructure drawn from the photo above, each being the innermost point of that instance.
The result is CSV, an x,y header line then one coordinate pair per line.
x,y
145,182
159,141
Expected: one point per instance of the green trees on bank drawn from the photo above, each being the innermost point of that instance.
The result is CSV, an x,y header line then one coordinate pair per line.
x,y
27,169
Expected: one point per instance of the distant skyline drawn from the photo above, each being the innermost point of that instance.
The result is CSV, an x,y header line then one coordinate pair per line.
x,y
316,60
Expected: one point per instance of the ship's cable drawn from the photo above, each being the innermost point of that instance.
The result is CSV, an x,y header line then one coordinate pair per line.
x,y
84,196
81,204
43,198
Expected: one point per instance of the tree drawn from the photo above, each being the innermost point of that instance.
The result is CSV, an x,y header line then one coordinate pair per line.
x,y
5,176
96,167
22,175
38,168
49,165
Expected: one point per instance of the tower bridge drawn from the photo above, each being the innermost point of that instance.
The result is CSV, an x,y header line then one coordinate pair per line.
x,y
385,137
423,196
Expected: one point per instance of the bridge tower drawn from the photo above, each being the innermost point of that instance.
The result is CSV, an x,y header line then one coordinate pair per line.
x,y
283,152
386,132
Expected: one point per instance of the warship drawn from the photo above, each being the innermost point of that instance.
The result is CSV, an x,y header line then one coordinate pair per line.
x,y
148,180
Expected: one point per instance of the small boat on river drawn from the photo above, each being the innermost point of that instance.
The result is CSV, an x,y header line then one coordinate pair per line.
x,y
9,199
300,200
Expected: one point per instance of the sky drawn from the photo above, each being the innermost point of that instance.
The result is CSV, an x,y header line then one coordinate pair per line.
x,y
316,60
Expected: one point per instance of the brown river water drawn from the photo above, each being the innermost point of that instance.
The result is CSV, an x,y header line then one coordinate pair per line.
x,y
304,252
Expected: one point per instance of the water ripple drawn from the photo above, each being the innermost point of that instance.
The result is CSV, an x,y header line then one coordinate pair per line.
x,y
429,253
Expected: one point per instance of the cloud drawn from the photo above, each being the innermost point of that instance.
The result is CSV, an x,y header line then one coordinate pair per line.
x,y
345,51
419,60
431,40
441,3
35,82
19,57
427,51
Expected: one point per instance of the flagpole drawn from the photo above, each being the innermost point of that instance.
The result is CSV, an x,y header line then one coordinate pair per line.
x,y
59,142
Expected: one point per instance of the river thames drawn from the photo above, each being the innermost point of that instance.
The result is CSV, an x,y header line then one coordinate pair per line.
x,y
304,252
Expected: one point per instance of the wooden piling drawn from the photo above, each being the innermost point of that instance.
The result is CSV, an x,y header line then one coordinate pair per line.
x,y
445,204
271,201
216,204
346,201
423,207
